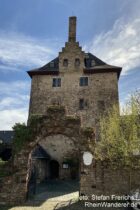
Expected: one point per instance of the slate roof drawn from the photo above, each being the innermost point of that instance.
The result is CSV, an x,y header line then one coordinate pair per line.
x,y
6,136
100,66
39,153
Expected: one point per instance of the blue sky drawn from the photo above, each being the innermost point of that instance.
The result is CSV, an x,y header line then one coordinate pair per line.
x,y
33,32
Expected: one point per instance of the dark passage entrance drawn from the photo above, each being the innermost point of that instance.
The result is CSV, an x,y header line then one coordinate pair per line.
x,y
54,169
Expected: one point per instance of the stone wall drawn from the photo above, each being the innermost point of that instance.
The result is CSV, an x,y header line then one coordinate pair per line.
x,y
102,87
108,180
14,187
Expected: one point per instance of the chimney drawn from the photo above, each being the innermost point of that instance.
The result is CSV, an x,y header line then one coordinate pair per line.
x,y
72,29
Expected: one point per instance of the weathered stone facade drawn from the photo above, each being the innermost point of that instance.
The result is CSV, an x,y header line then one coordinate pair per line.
x,y
102,87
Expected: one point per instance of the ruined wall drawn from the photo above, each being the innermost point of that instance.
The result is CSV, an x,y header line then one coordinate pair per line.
x,y
14,187
102,87
108,180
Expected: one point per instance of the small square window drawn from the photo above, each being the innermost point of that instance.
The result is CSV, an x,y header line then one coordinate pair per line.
x,y
83,104
83,81
56,82
65,62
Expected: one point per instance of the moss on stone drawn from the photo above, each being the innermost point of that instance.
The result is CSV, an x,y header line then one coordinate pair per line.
x,y
56,108
72,118
88,131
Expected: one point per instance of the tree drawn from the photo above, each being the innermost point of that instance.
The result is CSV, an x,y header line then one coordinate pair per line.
x,y
119,142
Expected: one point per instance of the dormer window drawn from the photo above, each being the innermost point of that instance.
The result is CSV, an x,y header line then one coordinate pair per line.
x,y
77,62
65,62
93,63
87,55
51,64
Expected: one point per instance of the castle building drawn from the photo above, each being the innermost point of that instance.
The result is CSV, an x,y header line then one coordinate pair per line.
x,y
79,81
68,96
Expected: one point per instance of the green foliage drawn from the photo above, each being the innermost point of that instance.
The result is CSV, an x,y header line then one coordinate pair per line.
x,y
3,172
120,135
72,117
2,163
22,134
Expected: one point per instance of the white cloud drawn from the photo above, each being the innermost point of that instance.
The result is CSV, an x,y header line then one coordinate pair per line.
x,y
18,50
119,46
12,88
14,103
9,117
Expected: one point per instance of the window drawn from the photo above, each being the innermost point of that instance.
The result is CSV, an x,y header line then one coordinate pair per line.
x,y
87,55
65,62
52,64
83,104
65,165
92,63
56,82
77,62
83,81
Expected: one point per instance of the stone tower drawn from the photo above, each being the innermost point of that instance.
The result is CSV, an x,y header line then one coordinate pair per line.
x,y
80,81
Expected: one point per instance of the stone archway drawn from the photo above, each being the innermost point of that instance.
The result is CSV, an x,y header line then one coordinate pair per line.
x,y
53,123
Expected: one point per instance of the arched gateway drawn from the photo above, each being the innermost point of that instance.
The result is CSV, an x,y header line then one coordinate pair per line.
x,y
55,122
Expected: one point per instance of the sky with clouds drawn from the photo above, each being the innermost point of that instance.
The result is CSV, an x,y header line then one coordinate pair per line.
x,y
33,32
